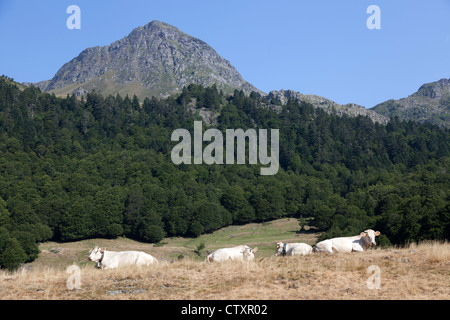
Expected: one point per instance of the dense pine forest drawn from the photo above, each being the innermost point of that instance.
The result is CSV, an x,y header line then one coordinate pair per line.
x,y
100,166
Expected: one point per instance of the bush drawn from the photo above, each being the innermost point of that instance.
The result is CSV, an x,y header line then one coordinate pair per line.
x,y
115,230
13,255
152,233
28,243
196,229
383,241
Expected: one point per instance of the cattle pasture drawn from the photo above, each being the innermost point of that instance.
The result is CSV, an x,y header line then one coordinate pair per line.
x,y
414,272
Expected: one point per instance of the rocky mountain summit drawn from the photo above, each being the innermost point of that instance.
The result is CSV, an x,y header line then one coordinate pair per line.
x,y
431,103
159,60
331,107
156,59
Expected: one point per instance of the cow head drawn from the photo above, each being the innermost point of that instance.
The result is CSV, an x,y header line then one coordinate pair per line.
x,y
249,253
96,254
279,251
370,235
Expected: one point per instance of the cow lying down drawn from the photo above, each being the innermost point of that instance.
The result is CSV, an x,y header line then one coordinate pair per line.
x,y
112,259
293,249
236,253
358,243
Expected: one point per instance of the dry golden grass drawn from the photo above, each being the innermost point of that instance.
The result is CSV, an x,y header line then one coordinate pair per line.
x,y
415,272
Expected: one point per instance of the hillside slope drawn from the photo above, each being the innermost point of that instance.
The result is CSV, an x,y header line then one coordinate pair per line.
x,y
431,103
101,167
414,272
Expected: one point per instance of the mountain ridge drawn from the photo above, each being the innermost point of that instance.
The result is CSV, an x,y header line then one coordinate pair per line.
x,y
430,103
158,59
329,106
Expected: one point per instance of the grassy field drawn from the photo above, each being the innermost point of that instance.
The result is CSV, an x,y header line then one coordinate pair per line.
x,y
415,272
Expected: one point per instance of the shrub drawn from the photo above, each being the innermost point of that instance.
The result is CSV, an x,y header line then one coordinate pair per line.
x,y
13,255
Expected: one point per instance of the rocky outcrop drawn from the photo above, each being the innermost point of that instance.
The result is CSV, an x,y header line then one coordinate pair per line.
x,y
431,103
331,107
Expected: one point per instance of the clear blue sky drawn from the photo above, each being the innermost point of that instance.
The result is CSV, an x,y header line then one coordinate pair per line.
x,y
314,47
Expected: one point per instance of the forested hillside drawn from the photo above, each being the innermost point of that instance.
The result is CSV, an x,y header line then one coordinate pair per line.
x,y
101,167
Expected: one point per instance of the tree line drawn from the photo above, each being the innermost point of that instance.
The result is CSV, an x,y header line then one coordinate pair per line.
x,y
74,169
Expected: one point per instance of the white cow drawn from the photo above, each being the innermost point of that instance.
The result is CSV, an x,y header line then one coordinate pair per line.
x,y
236,253
112,259
293,249
348,244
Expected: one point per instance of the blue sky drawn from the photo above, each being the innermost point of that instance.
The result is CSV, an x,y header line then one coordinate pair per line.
x,y
314,47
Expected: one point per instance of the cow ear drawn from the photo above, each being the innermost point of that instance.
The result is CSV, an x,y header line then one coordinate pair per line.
x,y
254,250
377,233
363,234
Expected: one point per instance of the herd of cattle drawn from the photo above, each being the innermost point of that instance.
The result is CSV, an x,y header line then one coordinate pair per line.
x,y
112,259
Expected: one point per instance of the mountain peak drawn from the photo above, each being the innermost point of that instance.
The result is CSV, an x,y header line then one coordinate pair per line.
x,y
431,103
156,59
159,24
435,90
